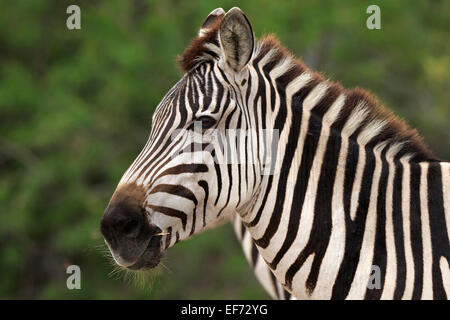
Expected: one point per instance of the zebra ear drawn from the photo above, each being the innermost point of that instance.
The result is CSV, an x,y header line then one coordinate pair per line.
x,y
236,39
210,20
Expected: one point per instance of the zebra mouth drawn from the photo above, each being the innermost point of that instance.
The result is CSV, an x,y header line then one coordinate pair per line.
x,y
151,256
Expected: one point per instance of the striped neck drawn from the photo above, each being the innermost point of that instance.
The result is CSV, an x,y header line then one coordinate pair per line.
x,y
341,161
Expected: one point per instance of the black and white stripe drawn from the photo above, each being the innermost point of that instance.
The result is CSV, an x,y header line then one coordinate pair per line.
x,y
352,188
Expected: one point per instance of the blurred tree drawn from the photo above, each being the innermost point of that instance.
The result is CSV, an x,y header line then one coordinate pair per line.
x,y
76,106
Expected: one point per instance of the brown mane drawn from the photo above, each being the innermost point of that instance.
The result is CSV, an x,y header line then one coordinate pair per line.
x,y
396,129
197,49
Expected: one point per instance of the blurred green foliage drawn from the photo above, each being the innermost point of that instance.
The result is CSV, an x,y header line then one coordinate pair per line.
x,y
76,106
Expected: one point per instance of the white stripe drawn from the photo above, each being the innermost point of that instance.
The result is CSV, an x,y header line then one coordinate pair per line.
x,y
445,271
409,282
281,68
391,257
371,130
315,96
427,289
445,169
357,116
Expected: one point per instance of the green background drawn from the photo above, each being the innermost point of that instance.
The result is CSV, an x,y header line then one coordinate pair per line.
x,y
76,107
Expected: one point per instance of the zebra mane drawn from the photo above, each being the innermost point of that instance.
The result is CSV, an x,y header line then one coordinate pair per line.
x,y
388,127
392,129
205,47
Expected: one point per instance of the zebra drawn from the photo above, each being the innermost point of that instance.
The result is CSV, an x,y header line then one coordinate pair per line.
x,y
328,184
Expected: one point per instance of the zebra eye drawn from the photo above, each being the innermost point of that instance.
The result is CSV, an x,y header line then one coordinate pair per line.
x,y
206,122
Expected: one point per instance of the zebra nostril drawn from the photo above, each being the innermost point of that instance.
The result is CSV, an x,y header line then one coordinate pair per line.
x,y
131,228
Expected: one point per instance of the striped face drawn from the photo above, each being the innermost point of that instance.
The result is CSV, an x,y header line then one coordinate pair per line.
x,y
185,178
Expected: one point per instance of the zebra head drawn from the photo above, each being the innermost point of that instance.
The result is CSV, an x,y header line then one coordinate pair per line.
x,y
199,165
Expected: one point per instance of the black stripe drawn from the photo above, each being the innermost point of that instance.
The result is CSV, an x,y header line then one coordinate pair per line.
x,y
177,190
439,236
204,185
350,172
192,96
218,176
239,162
254,255
220,91
181,105
246,161
242,231
208,95
398,231
416,230
183,168
275,284
171,213
194,218
286,295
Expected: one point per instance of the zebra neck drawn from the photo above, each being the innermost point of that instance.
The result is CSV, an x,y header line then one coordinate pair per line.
x,y
347,194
